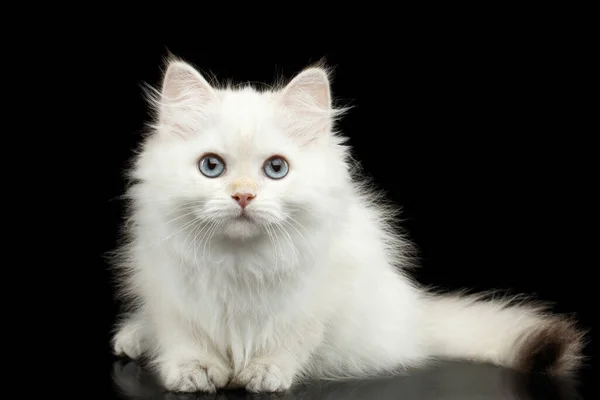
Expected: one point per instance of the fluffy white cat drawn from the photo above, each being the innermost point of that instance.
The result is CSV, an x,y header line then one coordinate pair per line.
x,y
255,257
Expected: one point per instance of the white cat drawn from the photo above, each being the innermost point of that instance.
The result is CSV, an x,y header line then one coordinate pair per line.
x,y
255,257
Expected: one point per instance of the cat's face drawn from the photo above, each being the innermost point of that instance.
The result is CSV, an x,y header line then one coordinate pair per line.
x,y
243,163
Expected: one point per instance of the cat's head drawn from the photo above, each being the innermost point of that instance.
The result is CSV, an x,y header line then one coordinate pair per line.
x,y
240,159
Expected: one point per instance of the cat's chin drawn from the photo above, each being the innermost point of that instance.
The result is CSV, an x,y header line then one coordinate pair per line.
x,y
242,228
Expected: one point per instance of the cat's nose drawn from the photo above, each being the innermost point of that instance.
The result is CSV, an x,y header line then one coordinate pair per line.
x,y
243,198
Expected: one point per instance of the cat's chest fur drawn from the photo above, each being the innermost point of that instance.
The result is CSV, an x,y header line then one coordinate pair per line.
x,y
240,296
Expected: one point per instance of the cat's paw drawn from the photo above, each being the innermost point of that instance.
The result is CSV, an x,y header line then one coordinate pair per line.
x,y
259,378
194,376
128,341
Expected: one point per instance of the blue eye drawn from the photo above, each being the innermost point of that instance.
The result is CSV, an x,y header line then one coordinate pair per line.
x,y
276,167
211,166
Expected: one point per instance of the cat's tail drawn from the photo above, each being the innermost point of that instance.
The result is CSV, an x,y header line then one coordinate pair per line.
x,y
512,333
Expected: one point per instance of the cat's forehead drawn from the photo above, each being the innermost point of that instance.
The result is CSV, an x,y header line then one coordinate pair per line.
x,y
248,117
246,106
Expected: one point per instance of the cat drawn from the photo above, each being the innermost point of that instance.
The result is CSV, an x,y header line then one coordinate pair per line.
x,y
256,257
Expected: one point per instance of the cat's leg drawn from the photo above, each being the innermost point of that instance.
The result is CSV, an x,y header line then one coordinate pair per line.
x,y
184,359
373,332
269,374
130,339
276,371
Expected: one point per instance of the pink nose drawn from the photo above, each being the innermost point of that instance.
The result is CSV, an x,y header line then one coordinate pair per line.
x,y
243,198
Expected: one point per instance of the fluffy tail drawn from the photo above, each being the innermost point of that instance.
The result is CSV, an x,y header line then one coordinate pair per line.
x,y
511,333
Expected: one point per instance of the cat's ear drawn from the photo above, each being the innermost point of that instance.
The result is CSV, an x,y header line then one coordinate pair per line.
x,y
183,101
182,82
308,90
308,100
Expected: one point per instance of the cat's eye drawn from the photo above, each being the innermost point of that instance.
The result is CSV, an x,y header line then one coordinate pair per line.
x,y
276,167
211,166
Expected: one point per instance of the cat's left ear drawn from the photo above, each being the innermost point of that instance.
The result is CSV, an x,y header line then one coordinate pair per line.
x,y
308,99
309,89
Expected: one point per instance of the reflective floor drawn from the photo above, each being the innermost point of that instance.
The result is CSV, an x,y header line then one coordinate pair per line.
x,y
446,381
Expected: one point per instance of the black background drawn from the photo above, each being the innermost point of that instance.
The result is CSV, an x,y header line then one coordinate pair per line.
x,y
478,135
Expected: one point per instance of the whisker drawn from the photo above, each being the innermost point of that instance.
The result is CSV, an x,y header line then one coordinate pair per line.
x,y
307,244
181,216
212,234
203,239
184,227
289,240
205,229
194,231
273,243
207,238
197,226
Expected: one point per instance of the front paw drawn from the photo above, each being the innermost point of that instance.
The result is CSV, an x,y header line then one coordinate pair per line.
x,y
259,378
128,341
194,376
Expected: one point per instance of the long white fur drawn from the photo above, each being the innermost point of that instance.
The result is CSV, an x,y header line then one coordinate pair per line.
x,y
315,287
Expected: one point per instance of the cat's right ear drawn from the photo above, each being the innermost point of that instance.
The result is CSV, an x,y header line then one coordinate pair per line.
x,y
184,95
182,82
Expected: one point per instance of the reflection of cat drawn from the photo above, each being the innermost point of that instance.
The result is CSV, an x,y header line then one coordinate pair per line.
x,y
444,381
255,257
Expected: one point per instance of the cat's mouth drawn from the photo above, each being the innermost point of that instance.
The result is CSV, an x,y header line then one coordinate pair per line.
x,y
243,225
243,216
